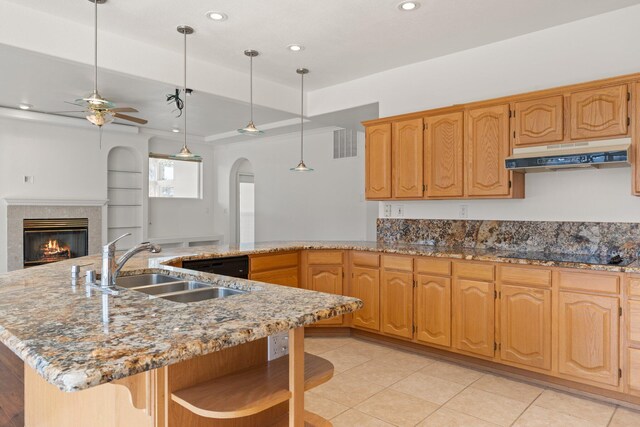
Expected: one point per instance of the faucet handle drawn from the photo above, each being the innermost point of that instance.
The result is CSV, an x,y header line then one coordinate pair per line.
x,y
112,245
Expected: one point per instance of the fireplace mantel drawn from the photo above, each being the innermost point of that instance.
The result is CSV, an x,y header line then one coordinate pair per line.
x,y
55,202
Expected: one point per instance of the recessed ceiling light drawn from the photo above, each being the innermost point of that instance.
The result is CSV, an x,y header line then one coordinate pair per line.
x,y
175,130
295,47
25,106
217,16
408,5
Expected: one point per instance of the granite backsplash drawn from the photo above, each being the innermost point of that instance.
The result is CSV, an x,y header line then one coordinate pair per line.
x,y
593,238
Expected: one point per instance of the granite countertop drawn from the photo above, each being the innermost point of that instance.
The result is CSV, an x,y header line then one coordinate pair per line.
x,y
58,330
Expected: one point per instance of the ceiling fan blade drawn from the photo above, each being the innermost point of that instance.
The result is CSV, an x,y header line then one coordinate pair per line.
x,y
74,111
130,118
123,110
75,103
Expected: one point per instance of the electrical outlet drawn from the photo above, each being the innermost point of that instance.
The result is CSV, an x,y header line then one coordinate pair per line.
x,y
387,210
28,179
398,211
278,345
464,211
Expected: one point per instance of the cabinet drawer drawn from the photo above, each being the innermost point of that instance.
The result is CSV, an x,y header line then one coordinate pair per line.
x,y
284,277
634,322
324,257
273,262
390,262
365,259
524,276
633,289
589,282
473,270
437,266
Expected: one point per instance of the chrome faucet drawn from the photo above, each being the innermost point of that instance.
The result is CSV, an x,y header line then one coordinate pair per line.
x,y
111,268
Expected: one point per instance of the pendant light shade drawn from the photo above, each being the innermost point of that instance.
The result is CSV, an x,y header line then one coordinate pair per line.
x,y
184,152
302,167
251,129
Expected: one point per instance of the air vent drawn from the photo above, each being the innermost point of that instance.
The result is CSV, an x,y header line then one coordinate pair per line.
x,y
345,143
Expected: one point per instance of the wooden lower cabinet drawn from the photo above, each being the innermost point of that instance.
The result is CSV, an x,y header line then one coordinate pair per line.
x,y
284,277
396,294
326,278
588,340
525,326
633,371
365,285
433,310
473,318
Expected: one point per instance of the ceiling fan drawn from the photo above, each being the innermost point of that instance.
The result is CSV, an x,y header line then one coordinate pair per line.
x,y
99,110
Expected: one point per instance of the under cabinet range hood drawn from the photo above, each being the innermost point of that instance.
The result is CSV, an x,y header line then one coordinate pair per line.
x,y
593,154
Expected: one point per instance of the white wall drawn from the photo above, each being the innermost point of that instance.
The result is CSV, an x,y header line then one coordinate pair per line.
x,y
183,217
326,204
597,47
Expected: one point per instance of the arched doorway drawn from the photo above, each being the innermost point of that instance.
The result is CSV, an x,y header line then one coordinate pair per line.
x,y
242,202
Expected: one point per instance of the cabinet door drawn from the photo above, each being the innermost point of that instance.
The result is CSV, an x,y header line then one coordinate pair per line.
x,y
378,162
407,159
486,148
326,279
396,297
444,162
473,316
525,326
588,337
365,285
433,309
539,121
599,112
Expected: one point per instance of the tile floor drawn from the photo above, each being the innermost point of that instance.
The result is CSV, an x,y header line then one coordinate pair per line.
x,y
376,385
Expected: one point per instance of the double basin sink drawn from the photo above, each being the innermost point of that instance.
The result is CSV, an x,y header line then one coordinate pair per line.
x,y
173,288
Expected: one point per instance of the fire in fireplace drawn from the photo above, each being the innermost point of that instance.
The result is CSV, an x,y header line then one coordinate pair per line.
x,y
51,240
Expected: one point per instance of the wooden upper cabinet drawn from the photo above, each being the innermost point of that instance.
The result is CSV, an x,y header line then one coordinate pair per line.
x,y
365,285
599,112
539,121
325,278
444,160
487,146
433,309
635,165
473,316
588,327
525,326
378,161
407,159
396,295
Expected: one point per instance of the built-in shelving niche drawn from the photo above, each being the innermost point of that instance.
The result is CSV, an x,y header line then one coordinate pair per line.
x,y
125,194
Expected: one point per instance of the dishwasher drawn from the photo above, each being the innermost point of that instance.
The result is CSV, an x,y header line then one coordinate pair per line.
x,y
237,266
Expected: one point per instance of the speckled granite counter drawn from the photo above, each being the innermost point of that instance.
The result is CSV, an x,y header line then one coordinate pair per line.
x,y
57,330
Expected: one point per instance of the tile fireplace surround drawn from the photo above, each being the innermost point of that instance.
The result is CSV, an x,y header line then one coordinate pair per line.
x,y
17,212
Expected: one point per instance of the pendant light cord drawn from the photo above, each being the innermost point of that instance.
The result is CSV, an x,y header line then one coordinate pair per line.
x,y
302,117
251,84
95,46
184,101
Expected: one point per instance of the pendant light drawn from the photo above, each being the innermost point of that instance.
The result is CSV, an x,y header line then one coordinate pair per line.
x,y
185,153
301,166
251,129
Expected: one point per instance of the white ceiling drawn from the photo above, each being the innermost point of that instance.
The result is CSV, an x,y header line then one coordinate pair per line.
x,y
344,39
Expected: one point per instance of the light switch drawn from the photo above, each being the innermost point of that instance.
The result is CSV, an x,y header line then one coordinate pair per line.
x,y
28,179
398,211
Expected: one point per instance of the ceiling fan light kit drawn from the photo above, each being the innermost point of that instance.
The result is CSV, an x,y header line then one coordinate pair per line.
x,y
302,167
251,129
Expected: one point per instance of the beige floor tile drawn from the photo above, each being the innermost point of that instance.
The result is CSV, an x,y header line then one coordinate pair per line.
x,y
322,345
354,418
579,407
624,417
347,390
365,348
344,359
450,372
397,408
444,417
487,406
435,390
512,389
406,358
383,372
324,407
536,416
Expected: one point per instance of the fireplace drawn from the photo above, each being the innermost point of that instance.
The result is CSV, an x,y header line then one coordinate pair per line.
x,y
51,240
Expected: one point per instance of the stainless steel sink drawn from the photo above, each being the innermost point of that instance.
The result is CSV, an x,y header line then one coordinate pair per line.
x,y
174,288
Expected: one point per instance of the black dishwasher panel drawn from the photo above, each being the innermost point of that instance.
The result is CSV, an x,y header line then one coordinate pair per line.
x,y
237,266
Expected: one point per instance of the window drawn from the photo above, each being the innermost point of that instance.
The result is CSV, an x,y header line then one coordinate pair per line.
x,y
169,177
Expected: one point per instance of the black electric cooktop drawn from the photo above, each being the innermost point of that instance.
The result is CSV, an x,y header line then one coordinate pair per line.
x,y
574,258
